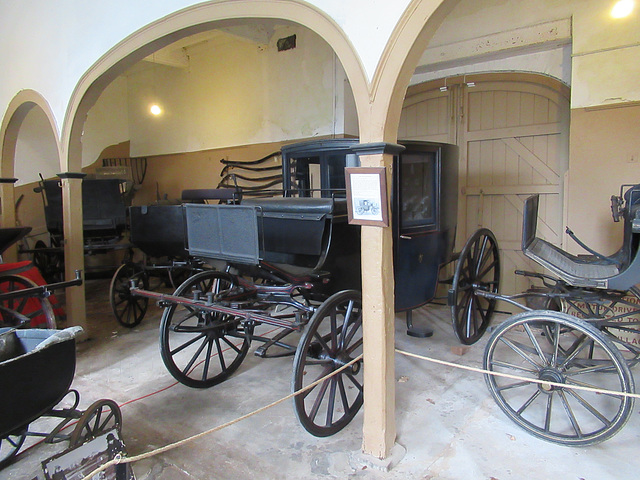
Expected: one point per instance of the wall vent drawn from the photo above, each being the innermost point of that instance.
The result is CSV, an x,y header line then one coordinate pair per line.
x,y
286,43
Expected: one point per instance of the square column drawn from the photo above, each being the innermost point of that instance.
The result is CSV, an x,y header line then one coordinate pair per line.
x,y
73,246
379,431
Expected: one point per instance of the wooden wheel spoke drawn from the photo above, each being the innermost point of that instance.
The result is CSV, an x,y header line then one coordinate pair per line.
x,y
207,358
529,401
536,344
590,408
195,356
331,401
569,411
318,400
511,366
487,269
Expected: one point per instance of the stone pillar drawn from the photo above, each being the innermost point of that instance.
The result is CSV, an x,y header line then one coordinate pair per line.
x,y
73,247
379,432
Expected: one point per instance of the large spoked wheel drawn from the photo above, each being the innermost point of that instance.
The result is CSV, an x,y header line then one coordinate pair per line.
x,y
100,417
49,261
478,269
24,312
9,447
614,313
333,338
127,308
202,348
556,347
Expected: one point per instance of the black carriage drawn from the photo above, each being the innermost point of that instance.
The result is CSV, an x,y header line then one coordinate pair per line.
x,y
573,347
424,215
274,252
42,363
104,223
293,264
159,232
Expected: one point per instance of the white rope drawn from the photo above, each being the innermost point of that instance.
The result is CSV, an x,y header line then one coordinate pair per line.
x,y
516,377
118,459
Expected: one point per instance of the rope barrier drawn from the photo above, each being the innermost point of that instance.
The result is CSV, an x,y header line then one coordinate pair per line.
x,y
118,459
516,377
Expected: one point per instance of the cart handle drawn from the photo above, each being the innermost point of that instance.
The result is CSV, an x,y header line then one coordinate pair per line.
x,y
42,291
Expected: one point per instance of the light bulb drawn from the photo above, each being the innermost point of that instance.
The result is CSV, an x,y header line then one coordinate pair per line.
x,y
155,109
622,8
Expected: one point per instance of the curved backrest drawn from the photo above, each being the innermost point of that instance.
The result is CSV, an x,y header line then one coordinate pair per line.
x,y
201,195
530,221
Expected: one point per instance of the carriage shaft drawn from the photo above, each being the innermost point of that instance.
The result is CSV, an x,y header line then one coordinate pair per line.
x,y
42,291
248,315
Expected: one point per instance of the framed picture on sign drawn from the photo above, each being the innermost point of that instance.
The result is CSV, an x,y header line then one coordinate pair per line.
x,y
367,196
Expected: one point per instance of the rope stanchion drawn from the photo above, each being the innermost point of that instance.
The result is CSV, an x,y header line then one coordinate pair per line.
x,y
516,377
120,459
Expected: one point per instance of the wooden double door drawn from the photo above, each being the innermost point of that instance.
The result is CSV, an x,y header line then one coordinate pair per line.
x,y
513,131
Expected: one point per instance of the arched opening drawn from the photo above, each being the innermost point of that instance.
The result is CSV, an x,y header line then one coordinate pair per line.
x,y
29,148
105,109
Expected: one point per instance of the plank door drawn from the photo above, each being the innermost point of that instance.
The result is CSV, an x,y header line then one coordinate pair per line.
x,y
513,139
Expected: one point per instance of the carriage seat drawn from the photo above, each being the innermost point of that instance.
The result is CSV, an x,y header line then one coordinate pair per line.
x,y
201,195
15,343
576,271
284,231
293,226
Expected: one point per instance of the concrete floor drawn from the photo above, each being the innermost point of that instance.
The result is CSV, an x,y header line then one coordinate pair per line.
x,y
448,427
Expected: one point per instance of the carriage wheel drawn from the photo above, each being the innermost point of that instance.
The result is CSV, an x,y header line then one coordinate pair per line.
x,y
556,347
50,264
9,447
478,268
332,339
100,417
202,348
128,309
623,329
25,312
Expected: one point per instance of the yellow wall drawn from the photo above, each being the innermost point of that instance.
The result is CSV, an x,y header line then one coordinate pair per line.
x,y
605,146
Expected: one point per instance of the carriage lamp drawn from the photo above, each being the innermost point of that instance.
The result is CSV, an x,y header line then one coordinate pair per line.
x,y
155,109
622,8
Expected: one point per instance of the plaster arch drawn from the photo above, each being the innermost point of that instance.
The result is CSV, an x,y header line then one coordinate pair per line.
x,y
193,20
25,102
12,121
162,32
397,64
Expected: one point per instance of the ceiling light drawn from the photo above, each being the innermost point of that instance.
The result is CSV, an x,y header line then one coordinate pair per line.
x,y
155,109
622,8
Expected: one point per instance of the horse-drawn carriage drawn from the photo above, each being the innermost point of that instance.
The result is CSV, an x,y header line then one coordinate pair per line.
x,y
36,370
104,223
572,354
293,263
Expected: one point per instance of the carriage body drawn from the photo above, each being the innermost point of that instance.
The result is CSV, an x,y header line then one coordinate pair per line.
x,y
584,331
44,373
104,216
424,207
158,230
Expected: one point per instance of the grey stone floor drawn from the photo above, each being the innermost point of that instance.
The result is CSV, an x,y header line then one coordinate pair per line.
x,y
448,427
